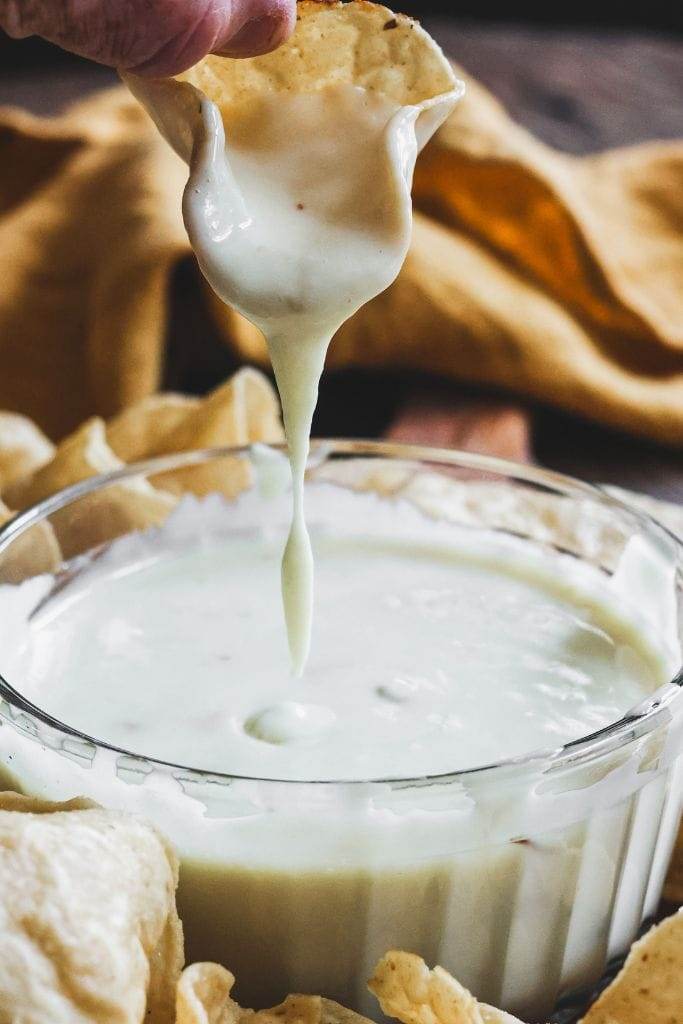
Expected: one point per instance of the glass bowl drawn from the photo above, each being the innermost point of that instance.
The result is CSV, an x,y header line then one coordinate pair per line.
x,y
523,878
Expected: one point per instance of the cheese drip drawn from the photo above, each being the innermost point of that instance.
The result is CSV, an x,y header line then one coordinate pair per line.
x,y
298,217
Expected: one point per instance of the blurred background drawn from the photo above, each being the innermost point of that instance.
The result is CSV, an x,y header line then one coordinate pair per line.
x,y
583,77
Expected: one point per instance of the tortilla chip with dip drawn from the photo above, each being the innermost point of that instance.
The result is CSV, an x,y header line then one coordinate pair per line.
x,y
357,43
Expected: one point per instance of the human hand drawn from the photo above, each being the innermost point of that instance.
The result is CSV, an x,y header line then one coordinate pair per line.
x,y
152,37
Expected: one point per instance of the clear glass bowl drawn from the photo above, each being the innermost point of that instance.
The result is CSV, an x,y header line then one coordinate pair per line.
x,y
528,876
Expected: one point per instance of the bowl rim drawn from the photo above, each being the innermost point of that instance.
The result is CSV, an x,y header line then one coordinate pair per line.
x,y
653,711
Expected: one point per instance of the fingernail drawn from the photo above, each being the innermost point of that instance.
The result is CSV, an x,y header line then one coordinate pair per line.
x,y
259,35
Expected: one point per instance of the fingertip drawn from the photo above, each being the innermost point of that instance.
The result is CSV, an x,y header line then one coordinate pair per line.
x,y
193,33
267,29
241,28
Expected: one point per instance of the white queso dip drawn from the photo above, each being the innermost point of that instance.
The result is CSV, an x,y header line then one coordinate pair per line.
x,y
436,649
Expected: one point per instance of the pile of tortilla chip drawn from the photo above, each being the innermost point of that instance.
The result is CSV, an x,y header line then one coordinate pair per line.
x,y
89,933
242,411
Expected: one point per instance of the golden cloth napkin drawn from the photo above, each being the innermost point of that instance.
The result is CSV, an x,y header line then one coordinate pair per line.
x,y
557,277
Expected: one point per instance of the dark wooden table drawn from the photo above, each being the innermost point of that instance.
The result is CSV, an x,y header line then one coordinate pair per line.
x,y
579,91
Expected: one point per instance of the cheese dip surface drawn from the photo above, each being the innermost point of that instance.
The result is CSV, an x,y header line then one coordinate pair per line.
x,y
434,650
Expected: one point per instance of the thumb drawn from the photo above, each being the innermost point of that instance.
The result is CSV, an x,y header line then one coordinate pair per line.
x,y
152,37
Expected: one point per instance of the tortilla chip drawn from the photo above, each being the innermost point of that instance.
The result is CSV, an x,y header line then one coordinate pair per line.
x,y
356,43
409,991
649,988
34,552
81,455
242,411
23,448
298,1009
137,432
335,1013
103,515
89,930
203,997
362,43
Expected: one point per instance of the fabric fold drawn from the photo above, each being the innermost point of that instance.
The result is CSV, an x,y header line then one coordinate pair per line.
x,y
551,276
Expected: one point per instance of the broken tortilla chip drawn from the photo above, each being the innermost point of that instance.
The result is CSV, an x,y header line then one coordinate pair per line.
x,y
98,517
23,448
243,411
139,431
203,997
410,992
83,454
649,988
88,925
34,552
300,1009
